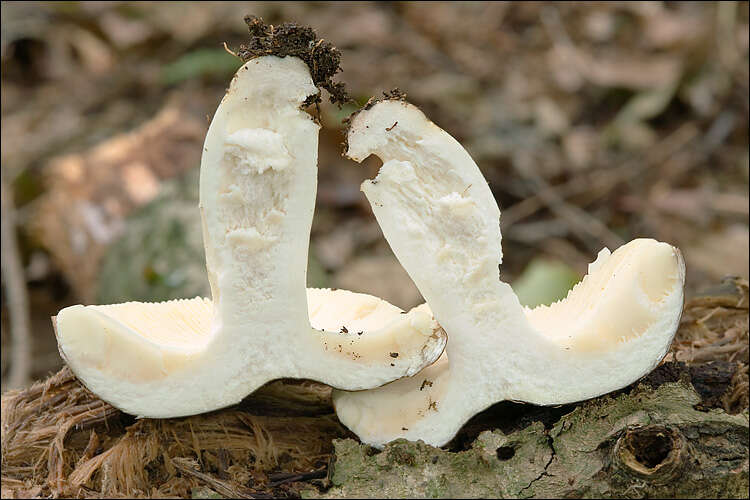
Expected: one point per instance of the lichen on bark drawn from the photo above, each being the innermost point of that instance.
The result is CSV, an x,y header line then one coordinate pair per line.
x,y
649,443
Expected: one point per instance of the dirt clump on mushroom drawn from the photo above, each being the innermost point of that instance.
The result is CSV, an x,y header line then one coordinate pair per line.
x,y
291,39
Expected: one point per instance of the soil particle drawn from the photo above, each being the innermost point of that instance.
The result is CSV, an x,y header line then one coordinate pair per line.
x,y
425,383
394,95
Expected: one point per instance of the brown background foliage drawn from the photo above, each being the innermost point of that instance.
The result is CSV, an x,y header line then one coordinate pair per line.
x,y
594,123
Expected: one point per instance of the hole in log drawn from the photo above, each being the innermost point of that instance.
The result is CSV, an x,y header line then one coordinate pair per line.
x,y
505,453
650,448
654,452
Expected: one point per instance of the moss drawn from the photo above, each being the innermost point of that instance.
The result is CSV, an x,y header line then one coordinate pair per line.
x,y
204,492
160,254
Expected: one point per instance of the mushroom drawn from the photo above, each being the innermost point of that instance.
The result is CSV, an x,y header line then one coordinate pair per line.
x,y
257,196
441,220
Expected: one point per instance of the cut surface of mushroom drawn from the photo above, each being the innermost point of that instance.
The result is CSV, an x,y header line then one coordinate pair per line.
x,y
257,195
442,222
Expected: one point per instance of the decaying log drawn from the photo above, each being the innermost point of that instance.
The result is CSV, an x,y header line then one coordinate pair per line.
x,y
682,431
665,436
648,442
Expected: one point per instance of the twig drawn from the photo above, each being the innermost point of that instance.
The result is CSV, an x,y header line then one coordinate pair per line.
x,y
287,477
15,288
221,487
228,50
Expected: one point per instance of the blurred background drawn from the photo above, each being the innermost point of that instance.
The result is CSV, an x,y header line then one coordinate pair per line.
x,y
594,123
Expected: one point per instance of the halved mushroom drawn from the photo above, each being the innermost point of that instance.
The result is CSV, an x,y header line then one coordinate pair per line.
x,y
257,191
442,222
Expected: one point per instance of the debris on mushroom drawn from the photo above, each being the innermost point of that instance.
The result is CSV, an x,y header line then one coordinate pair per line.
x,y
442,222
257,195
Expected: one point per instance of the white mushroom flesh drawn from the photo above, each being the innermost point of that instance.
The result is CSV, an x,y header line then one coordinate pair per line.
x,y
442,222
257,195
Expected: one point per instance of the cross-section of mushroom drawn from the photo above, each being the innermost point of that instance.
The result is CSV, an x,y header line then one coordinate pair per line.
x,y
442,222
257,195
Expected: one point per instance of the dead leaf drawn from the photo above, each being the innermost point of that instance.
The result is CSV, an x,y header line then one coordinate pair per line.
x,y
720,253
580,145
124,32
618,69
